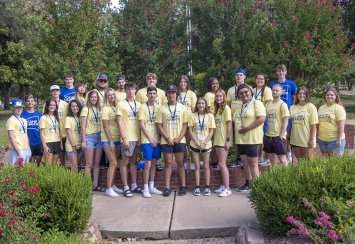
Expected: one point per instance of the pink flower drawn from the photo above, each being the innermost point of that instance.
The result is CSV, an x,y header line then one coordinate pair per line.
x,y
11,192
324,215
305,202
35,189
337,39
291,219
332,235
323,2
1,231
7,179
353,45
19,162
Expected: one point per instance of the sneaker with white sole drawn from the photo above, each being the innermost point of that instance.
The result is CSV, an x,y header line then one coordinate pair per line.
x,y
155,191
197,191
244,188
207,191
225,193
146,194
220,189
192,166
111,193
116,189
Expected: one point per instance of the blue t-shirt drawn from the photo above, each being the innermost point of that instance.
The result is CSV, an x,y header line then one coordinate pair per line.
x,y
289,88
33,127
67,94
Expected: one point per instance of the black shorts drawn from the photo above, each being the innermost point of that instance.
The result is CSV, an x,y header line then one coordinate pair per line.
x,y
275,145
54,147
64,140
37,150
177,148
200,151
250,150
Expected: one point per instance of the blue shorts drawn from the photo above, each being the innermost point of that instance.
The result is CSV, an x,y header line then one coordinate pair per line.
x,y
107,143
329,146
78,152
150,152
177,148
93,140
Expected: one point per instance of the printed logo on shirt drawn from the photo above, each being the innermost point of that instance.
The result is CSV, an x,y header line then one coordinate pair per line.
x,y
32,123
284,96
68,96
271,115
218,121
299,118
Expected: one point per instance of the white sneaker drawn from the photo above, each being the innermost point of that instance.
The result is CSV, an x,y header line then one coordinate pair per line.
x,y
111,193
192,166
155,191
220,189
116,189
146,194
265,163
225,193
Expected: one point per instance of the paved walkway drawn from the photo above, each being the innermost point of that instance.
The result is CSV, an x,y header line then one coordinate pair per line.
x,y
175,217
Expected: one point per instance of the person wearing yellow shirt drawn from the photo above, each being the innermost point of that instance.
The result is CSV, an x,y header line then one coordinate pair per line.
x,y
90,121
151,80
304,120
172,124
127,122
212,86
73,142
80,93
332,117
248,120
222,139
150,141
120,93
201,127
62,108
110,140
277,116
101,84
50,132
17,133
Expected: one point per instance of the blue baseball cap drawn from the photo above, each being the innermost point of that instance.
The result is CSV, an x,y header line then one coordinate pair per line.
x,y
102,76
17,102
240,70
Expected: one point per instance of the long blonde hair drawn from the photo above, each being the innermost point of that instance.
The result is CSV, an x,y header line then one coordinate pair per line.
x,y
106,101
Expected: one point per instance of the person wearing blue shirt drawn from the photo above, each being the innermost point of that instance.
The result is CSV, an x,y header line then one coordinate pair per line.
x,y
67,93
32,116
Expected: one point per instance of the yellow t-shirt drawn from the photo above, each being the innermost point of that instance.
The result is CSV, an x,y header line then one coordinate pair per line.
x,y
81,99
149,117
51,128
129,113
263,95
63,107
201,128
188,99
93,119
172,124
141,96
275,112
120,96
101,96
209,96
220,133
244,116
109,113
74,125
302,118
328,118
19,126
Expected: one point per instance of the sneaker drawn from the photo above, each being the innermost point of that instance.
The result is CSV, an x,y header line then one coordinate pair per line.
x,y
146,194
220,189
166,192
155,191
111,193
289,157
202,165
158,167
182,191
207,191
244,188
197,191
236,164
265,162
186,165
225,193
192,166
116,189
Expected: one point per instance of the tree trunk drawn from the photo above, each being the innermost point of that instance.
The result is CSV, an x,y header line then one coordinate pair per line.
x,y
23,90
8,90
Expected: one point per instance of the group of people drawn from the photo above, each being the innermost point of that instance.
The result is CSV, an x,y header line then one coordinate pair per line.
x,y
76,123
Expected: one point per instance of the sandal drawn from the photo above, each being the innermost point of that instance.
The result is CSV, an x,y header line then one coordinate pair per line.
x,y
127,193
137,190
99,189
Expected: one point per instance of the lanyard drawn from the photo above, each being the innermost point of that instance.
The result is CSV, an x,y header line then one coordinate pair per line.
x,y
199,121
100,93
77,123
258,93
54,123
235,92
135,107
22,123
183,101
114,110
243,108
96,115
172,114
151,116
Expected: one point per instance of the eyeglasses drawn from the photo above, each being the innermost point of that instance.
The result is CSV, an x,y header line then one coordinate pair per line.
x,y
103,81
243,92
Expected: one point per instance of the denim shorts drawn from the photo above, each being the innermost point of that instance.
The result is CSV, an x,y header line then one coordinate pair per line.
x,y
93,140
24,153
78,152
107,143
150,152
329,146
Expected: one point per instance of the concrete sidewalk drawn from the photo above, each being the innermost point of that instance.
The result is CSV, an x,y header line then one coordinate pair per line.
x,y
175,217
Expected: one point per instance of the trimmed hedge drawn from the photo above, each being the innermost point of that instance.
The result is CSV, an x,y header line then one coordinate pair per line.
x,y
280,192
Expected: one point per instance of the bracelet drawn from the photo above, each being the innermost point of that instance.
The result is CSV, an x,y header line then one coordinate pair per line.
x,y
73,145
227,139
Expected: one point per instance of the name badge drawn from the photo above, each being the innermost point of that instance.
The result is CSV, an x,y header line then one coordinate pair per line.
x,y
173,126
238,121
201,137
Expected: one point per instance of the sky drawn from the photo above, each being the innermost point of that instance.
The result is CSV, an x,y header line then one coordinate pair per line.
x,y
114,3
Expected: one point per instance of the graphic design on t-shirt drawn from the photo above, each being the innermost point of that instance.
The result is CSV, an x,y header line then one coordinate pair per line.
x,y
271,116
32,123
284,96
299,118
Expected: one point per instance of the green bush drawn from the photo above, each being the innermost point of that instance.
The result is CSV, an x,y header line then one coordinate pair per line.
x,y
67,196
54,236
280,192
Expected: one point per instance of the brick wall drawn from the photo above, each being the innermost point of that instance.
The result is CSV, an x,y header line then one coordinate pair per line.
x,y
350,134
